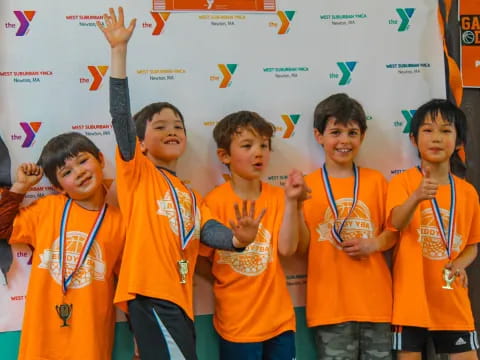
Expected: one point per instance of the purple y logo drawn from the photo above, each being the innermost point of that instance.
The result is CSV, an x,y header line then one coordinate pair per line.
x,y
30,130
25,18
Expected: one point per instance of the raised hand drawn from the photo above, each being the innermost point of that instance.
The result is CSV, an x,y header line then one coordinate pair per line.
x,y
28,175
428,187
295,187
246,226
114,30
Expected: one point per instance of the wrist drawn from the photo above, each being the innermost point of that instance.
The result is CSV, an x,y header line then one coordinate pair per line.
x,y
19,188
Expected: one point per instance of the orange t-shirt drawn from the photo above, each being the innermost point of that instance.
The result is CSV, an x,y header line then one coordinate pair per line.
x,y
252,302
340,288
91,330
420,257
153,245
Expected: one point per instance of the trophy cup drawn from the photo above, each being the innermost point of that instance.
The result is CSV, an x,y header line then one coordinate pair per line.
x,y
183,270
64,311
448,280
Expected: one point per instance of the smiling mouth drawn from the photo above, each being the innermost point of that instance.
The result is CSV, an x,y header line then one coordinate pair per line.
x,y
85,181
343,150
172,142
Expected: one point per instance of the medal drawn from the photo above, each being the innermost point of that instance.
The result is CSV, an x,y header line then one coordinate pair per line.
x,y
64,310
183,270
336,233
185,236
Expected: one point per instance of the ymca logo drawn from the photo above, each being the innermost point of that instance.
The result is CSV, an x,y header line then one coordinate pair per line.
x,y
286,18
97,72
405,17
408,115
346,68
227,71
290,121
160,20
25,18
31,130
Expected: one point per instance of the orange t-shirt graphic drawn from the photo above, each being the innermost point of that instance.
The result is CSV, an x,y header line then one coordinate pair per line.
x,y
153,247
421,255
91,330
252,302
340,288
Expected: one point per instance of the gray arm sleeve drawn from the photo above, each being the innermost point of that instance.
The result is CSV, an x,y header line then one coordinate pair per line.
x,y
122,121
217,236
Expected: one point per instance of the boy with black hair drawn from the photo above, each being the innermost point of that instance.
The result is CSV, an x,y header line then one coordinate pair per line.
x,y
78,242
438,217
262,325
349,286
164,220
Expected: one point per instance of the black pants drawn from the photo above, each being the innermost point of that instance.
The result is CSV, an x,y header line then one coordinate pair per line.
x,y
162,329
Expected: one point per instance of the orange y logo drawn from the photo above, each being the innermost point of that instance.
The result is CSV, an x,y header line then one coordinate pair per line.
x,y
98,72
160,20
227,71
290,121
285,17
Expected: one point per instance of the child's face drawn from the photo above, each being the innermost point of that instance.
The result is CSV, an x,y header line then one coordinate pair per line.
x,y
165,138
436,139
340,142
249,154
81,176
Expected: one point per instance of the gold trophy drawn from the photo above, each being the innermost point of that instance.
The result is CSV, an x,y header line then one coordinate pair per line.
x,y
448,280
183,270
64,311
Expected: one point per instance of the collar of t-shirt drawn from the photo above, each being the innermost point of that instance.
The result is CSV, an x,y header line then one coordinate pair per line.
x,y
164,168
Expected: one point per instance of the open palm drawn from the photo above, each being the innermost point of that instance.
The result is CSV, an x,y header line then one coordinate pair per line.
x,y
114,29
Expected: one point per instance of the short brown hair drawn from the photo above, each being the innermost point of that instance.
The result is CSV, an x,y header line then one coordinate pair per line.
x,y
235,122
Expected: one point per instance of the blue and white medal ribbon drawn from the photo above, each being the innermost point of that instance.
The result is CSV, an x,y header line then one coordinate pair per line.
x,y
185,236
66,280
449,235
336,233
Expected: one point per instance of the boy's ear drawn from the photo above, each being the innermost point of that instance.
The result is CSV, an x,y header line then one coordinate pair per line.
x,y
101,159
223,156
412,140
143,149
318,136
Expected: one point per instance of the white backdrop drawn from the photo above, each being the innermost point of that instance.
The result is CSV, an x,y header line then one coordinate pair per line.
x,y
54,78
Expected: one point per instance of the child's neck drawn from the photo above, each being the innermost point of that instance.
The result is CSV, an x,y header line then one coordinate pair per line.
x,y
438,171
339,170
246,189
95,202
169,165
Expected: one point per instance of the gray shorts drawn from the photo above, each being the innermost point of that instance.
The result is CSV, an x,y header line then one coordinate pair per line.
x,y
354,340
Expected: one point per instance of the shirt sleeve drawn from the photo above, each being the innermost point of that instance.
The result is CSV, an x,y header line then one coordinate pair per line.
x,y
397,194
474,237
122,121
9,208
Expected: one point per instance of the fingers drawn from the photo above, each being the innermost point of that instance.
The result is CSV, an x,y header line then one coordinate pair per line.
x,y
113,17
237,211
120,15
426,172
244,208
260,217
131,27
31,169
100,25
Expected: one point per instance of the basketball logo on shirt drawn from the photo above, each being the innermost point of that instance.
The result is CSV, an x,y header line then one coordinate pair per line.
x,y
358,224
254,259
92,269
166,207
433,247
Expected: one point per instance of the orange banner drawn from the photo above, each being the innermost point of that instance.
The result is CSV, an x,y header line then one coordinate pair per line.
x,y
214,5
469,14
